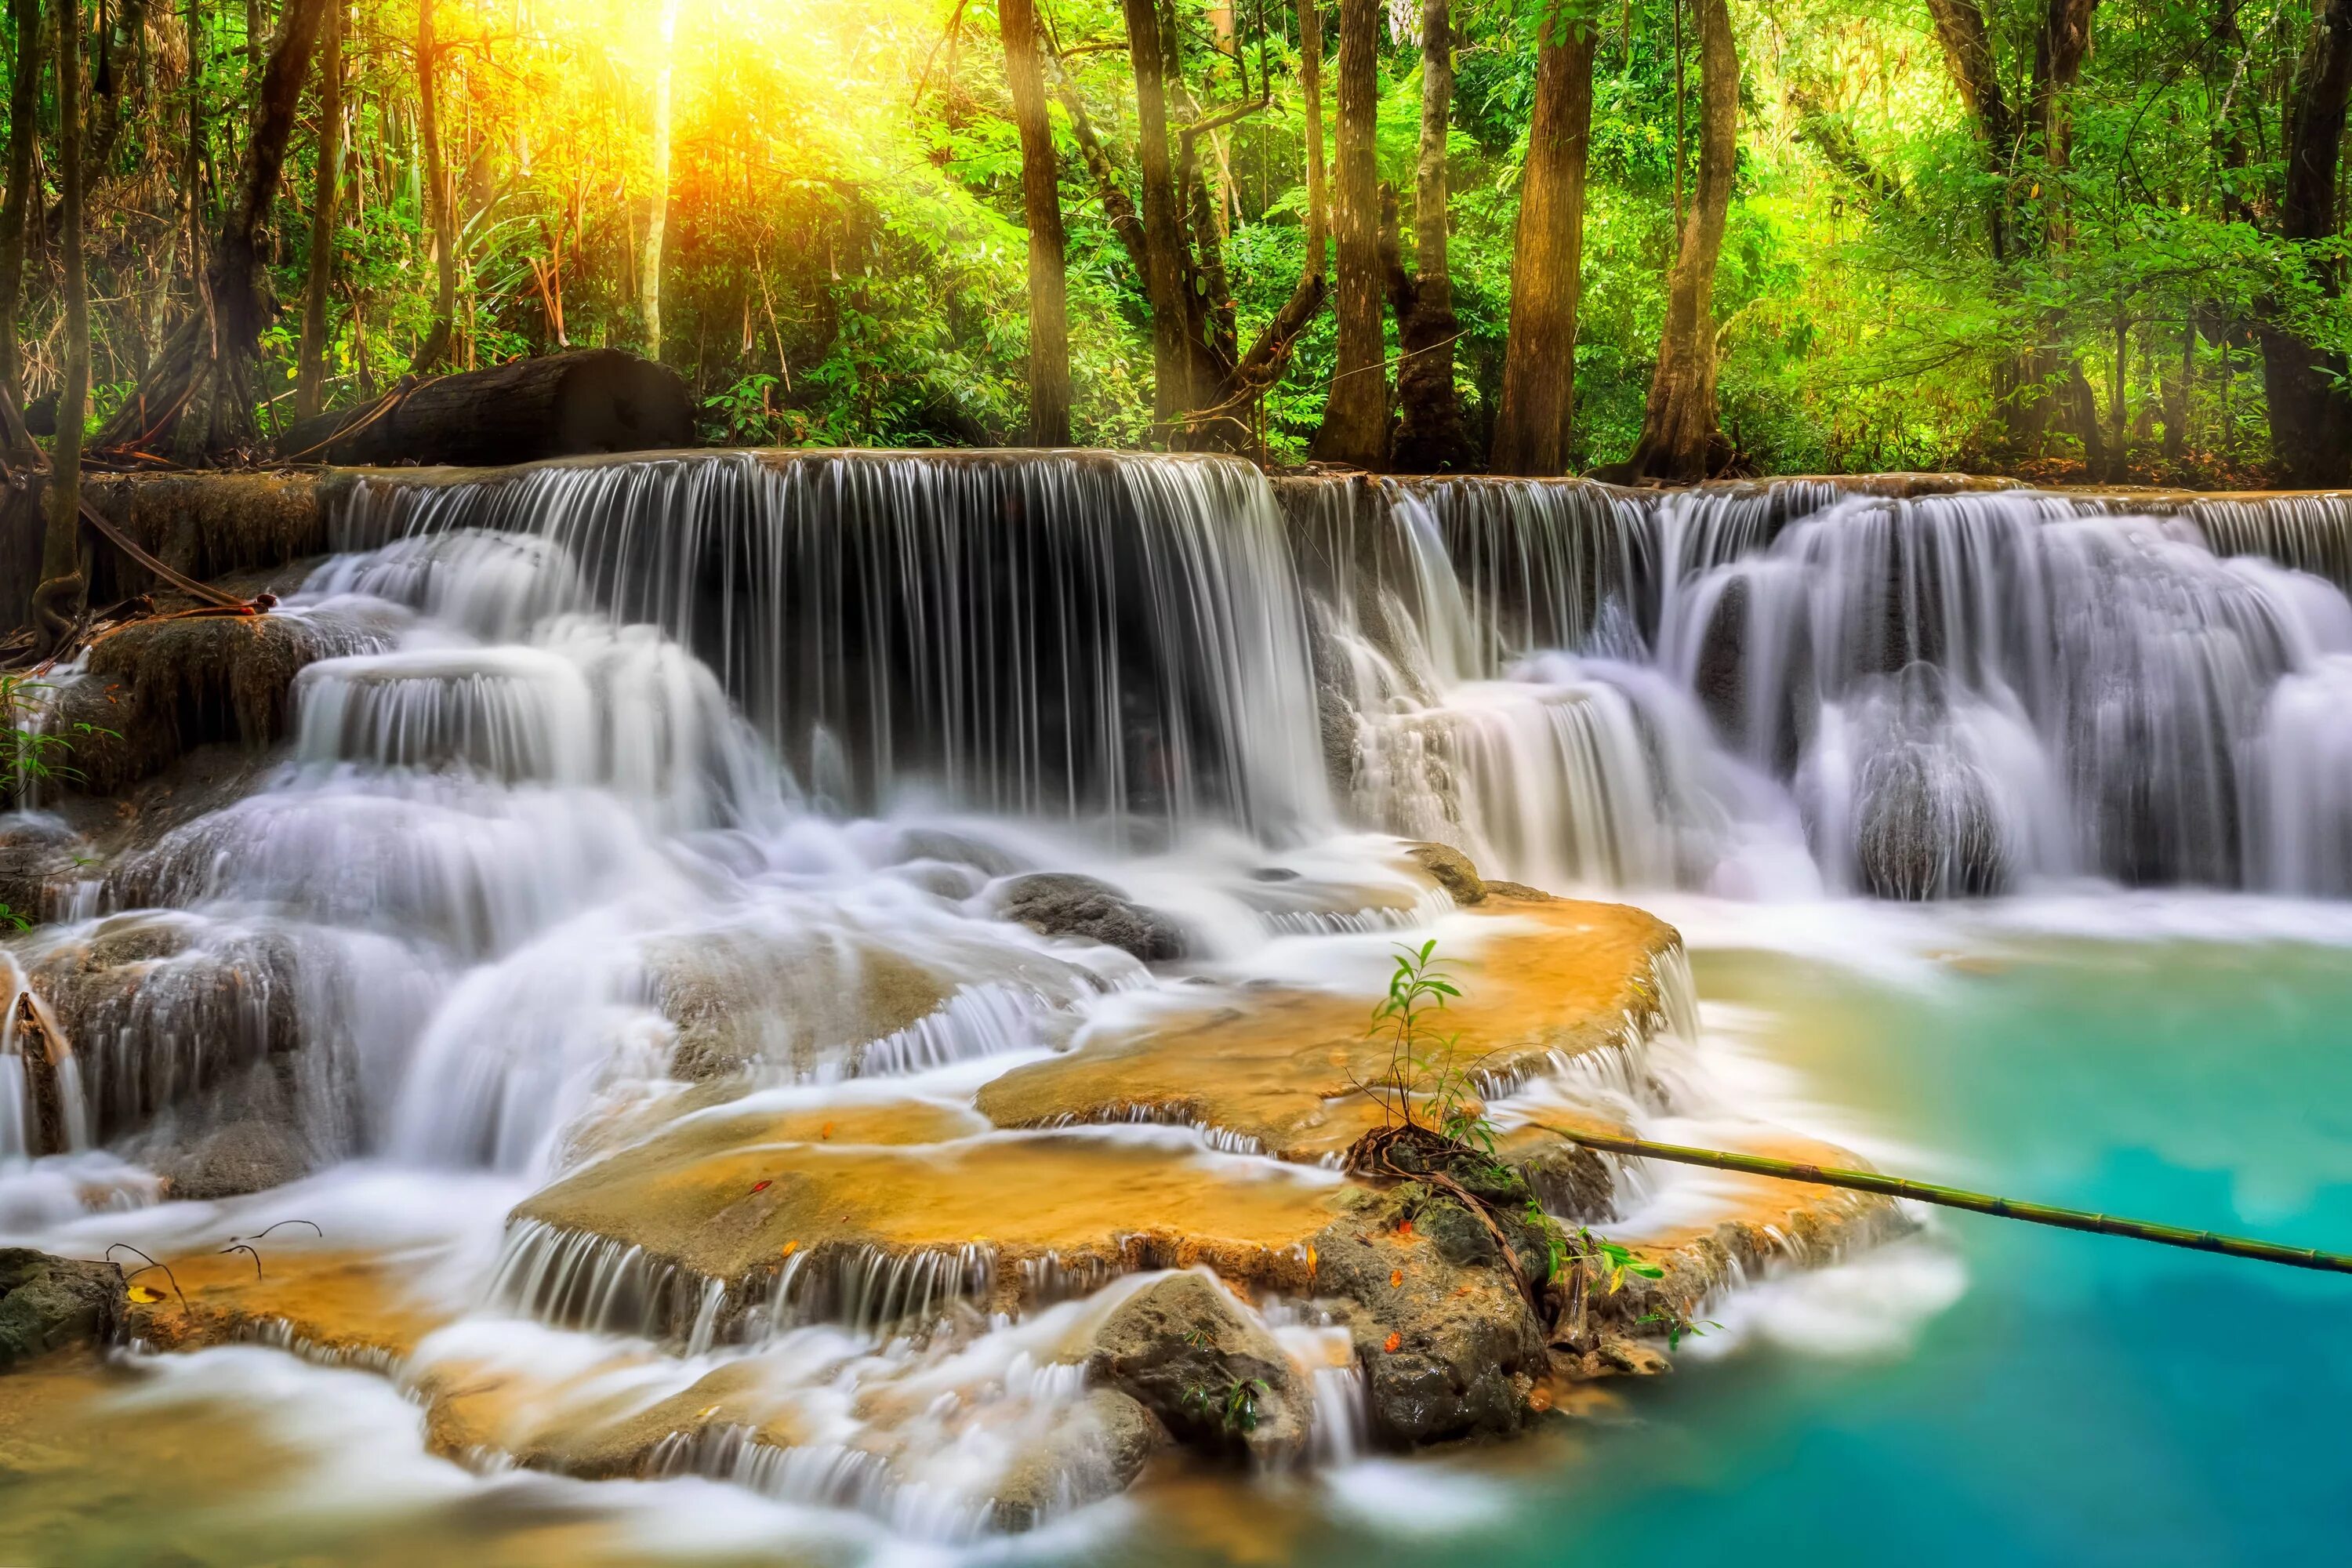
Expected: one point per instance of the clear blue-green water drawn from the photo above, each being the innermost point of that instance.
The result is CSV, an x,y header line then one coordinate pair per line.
x,y
1986,1393
2086,1400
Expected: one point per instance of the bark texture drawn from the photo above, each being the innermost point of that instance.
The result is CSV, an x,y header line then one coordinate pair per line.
x,y
1539,407
1356,420
1430,438
1041,201
570,405
1682,436
1162,231
23,113
649,280
311,375
2310,412
196,397
440,201
58,602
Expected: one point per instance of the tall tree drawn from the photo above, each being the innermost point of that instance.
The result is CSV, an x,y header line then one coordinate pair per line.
x,y
1165,258
1682,433
649,280
57,600
24,128
311,375
196,396
1429,437
1356,418
2039,381
1040,202
2311,407
440,198
1533,427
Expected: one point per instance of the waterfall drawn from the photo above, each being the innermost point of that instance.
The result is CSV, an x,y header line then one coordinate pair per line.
x,y
1063,635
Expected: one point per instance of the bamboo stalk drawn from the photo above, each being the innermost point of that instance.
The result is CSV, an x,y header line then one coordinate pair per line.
x,y
1956,1198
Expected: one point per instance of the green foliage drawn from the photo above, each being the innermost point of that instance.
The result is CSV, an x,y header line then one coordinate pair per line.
x,y
846,254
1424,1085
1232,1409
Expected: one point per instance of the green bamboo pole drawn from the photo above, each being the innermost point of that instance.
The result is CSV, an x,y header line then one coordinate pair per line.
x,y
1955,1198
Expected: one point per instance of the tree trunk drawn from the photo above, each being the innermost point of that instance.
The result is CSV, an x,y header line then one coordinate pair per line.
x,y
1430,438
58,602
553,405
1356,419
2311,412
24,128
1041,204
310,377
1171,353
658,215
1532,432
196,396
1682,438
440,201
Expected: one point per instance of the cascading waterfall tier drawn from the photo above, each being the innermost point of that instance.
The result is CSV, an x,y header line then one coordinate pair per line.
x,y
1060,635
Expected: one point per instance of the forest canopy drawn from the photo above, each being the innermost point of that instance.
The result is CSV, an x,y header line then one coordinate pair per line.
x,y
2096,239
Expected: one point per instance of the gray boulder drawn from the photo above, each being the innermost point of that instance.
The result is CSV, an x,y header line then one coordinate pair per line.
x,y
1061,903
1094,1454
49,1303
1217,1381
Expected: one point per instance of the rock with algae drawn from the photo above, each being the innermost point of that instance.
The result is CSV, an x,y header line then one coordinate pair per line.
x,y
1186,1351
49,1303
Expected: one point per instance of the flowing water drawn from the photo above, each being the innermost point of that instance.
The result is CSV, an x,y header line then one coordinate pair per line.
x,y
659,775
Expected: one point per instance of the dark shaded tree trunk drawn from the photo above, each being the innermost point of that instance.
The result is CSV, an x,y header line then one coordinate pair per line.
x,y
1163,233
440,200
2311,411
1356,420
2036,388
24,127
311,375
1040,202
1430,438
1539,408
57,601
1682,434
196,397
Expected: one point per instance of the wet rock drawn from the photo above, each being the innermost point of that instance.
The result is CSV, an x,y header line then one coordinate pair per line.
x,y
39,856
1927,828
243,1157
1448,1343
1185,1350
1451,870
155,690
1095,1453
1061,903
47,1303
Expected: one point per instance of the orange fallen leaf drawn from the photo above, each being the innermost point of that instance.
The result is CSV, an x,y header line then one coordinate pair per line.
x,y
827,1131
1396,1277
1393,1342
761,1187
144,1294
1405,1230
789,1249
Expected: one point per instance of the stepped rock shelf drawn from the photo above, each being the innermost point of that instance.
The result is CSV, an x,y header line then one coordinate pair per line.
x,y
1039,1201
850,975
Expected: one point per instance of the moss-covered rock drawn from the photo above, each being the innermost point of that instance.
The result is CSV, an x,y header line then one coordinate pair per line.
x,y
49,1303
1186,1351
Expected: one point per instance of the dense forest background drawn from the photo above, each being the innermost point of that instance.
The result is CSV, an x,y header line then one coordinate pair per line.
x,y
2097,239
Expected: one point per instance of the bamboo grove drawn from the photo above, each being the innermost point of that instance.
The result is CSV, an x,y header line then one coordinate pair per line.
x,y
1653,239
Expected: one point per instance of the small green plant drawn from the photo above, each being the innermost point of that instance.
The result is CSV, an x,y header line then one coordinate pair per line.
x,y
1232,1408
1613,1262
1677,1328
30,755
1424,1085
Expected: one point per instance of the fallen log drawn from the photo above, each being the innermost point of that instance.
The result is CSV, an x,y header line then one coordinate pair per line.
x,y
570,405
1957,1198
